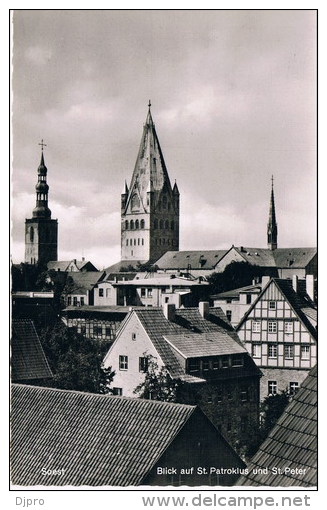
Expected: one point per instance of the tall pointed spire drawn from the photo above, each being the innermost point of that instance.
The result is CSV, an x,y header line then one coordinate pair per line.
x,y
272,224
41,209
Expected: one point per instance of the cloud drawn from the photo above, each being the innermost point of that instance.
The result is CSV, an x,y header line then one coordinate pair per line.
x,y
38,55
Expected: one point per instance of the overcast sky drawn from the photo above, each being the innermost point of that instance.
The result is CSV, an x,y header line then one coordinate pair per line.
x,y
233,98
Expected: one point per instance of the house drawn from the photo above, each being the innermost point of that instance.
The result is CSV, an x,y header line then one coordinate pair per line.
x,y
29,364
199,348
71,265
79,287
288,457
105,293
234,303
195,262
97,322
279,330
69,438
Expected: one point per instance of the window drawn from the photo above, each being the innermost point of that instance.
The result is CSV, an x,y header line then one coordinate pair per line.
x,y
272,327
117,391
150,292
244,394
256,326
205,364
272,387
69,301
75,301
137,224
143,364
289,351
272,351
97,330
126,225
142,242
305,351
256,350
100,292
123,362
288,327
133,336
142,224
108,331
248,299
132,225
194,365
82,301
229,315
237,361
272,305
31,234
225,362
215,364
294,386
142,292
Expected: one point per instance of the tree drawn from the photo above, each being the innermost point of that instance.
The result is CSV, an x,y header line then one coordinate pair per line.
x,y
235,275
75,361
157,384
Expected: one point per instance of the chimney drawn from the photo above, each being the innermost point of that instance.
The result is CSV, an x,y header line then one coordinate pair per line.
x,y
310,286
204,309
295,283
75,261
83,259
169,311
264,280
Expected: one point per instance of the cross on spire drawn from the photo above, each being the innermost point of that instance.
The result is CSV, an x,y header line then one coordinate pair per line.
x,y
149,105
42,144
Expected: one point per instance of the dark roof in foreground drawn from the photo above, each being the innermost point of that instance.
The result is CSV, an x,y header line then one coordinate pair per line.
x,y
28,361
96,439
291,443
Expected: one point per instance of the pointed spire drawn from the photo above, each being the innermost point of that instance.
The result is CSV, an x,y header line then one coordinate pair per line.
x,y
175,188
272,223
41,209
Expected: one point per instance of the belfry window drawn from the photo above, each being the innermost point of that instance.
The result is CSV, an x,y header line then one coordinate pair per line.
x,y
126,224
132,225
32,235
137,224
142,224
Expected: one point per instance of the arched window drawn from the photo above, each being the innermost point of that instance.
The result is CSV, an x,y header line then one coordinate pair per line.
x,y
126,224
155,224
161,224
166,224
32,235
172,225
142,242
142,223
132,224
137,224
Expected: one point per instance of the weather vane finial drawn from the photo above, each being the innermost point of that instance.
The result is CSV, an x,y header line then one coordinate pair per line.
x,y
42,144
149,105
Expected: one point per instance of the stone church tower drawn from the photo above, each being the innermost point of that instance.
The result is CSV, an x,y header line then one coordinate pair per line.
x,y
150,205
272,224
41,232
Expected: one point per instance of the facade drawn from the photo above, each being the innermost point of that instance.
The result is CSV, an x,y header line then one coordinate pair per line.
x,y
199,348
289,455
79,287
235,303
70,438
150,205
41,232
279,331
97,322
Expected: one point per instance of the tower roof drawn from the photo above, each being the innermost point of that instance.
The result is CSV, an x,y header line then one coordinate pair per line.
x,y
272,223
150,172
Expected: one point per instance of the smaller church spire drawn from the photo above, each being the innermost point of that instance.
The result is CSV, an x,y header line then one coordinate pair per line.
x,y
41,209
272,223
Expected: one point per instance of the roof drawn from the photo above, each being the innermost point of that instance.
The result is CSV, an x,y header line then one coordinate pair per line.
x,y
235,293
83,282
300,303
197,259
123,265
62,265
96,439
187,321
279,258
166,281
291,443
194,345
28,361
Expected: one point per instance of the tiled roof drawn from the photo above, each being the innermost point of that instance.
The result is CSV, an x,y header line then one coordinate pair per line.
x,y
115,268
167,281
28,361
187,320
62,265
291,443
82,282
235,293
111,277
195,345
97,439
195,259
280,257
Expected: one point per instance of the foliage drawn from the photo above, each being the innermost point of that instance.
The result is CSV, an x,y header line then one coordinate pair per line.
x,y
157,384
235,275
24,277
76,361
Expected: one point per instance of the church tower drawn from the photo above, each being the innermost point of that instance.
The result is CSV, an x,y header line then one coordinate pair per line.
x,y
272,224
41,232
150,205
